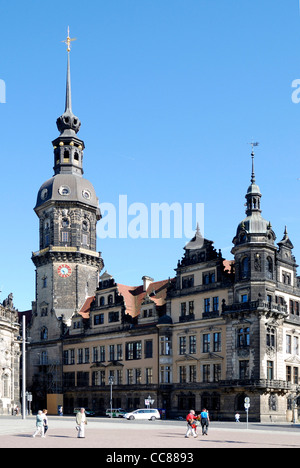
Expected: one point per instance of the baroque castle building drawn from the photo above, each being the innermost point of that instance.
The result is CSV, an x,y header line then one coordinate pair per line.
x,y
9,357
215,333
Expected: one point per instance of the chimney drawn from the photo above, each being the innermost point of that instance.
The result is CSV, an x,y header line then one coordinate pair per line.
x,y
146,282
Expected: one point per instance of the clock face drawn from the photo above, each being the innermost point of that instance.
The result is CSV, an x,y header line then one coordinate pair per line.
x,y
64,270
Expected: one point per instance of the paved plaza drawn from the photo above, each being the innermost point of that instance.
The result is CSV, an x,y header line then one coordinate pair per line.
x,y
122,434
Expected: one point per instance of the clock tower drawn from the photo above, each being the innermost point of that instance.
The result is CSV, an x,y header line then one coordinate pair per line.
x,y
67,262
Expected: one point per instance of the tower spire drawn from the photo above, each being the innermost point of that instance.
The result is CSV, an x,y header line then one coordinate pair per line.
x,y
68,124
252,156
68,148
68,87
253,194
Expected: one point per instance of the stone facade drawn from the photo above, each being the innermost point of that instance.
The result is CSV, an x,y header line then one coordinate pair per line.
x,y
219,331
9,358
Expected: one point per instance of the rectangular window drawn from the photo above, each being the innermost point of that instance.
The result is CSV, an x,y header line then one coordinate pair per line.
x,y
66,358
119,377
138,376
215,304
270,370
187,281
207,305
296,375
271,338
206,343
296,345
129,376
288,344
244,370
165,374
119,352
113,317
149,376
217,342
206,373
192,344
191,307
133,350
193,374
182,374
209,277
65,236
95,354
80,356
102,353
148,349
217,372
182,345
243,338
288,373
99,319
165,346
111,352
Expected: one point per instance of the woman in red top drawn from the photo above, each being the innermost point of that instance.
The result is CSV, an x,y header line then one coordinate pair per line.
x,y
190,424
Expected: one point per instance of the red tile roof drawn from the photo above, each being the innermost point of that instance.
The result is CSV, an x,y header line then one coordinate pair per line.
x,y
133,297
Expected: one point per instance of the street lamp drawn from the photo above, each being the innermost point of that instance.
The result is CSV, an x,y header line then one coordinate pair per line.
x,y
149,402
111,382
23,366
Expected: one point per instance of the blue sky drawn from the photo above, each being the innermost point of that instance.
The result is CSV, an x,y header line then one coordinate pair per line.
x,y
170,93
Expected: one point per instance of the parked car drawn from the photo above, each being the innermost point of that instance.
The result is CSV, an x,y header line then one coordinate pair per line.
x,y
88,411
115,412
150,414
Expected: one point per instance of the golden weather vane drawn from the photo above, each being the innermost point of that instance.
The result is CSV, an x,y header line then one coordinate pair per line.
x,y
69,40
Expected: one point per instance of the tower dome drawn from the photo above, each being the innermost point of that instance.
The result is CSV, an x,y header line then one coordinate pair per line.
x,y
254,227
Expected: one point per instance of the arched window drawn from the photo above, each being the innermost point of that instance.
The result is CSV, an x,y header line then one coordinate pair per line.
x,y
44,333
110,299
245,268
66,156
102,301
6,386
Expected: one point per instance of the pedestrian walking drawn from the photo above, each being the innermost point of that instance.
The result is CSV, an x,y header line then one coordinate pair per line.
x,y
237,417
81,423
190,419
204,421
39,424
45,420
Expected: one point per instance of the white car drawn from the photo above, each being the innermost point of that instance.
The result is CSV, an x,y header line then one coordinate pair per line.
x,y
150,414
